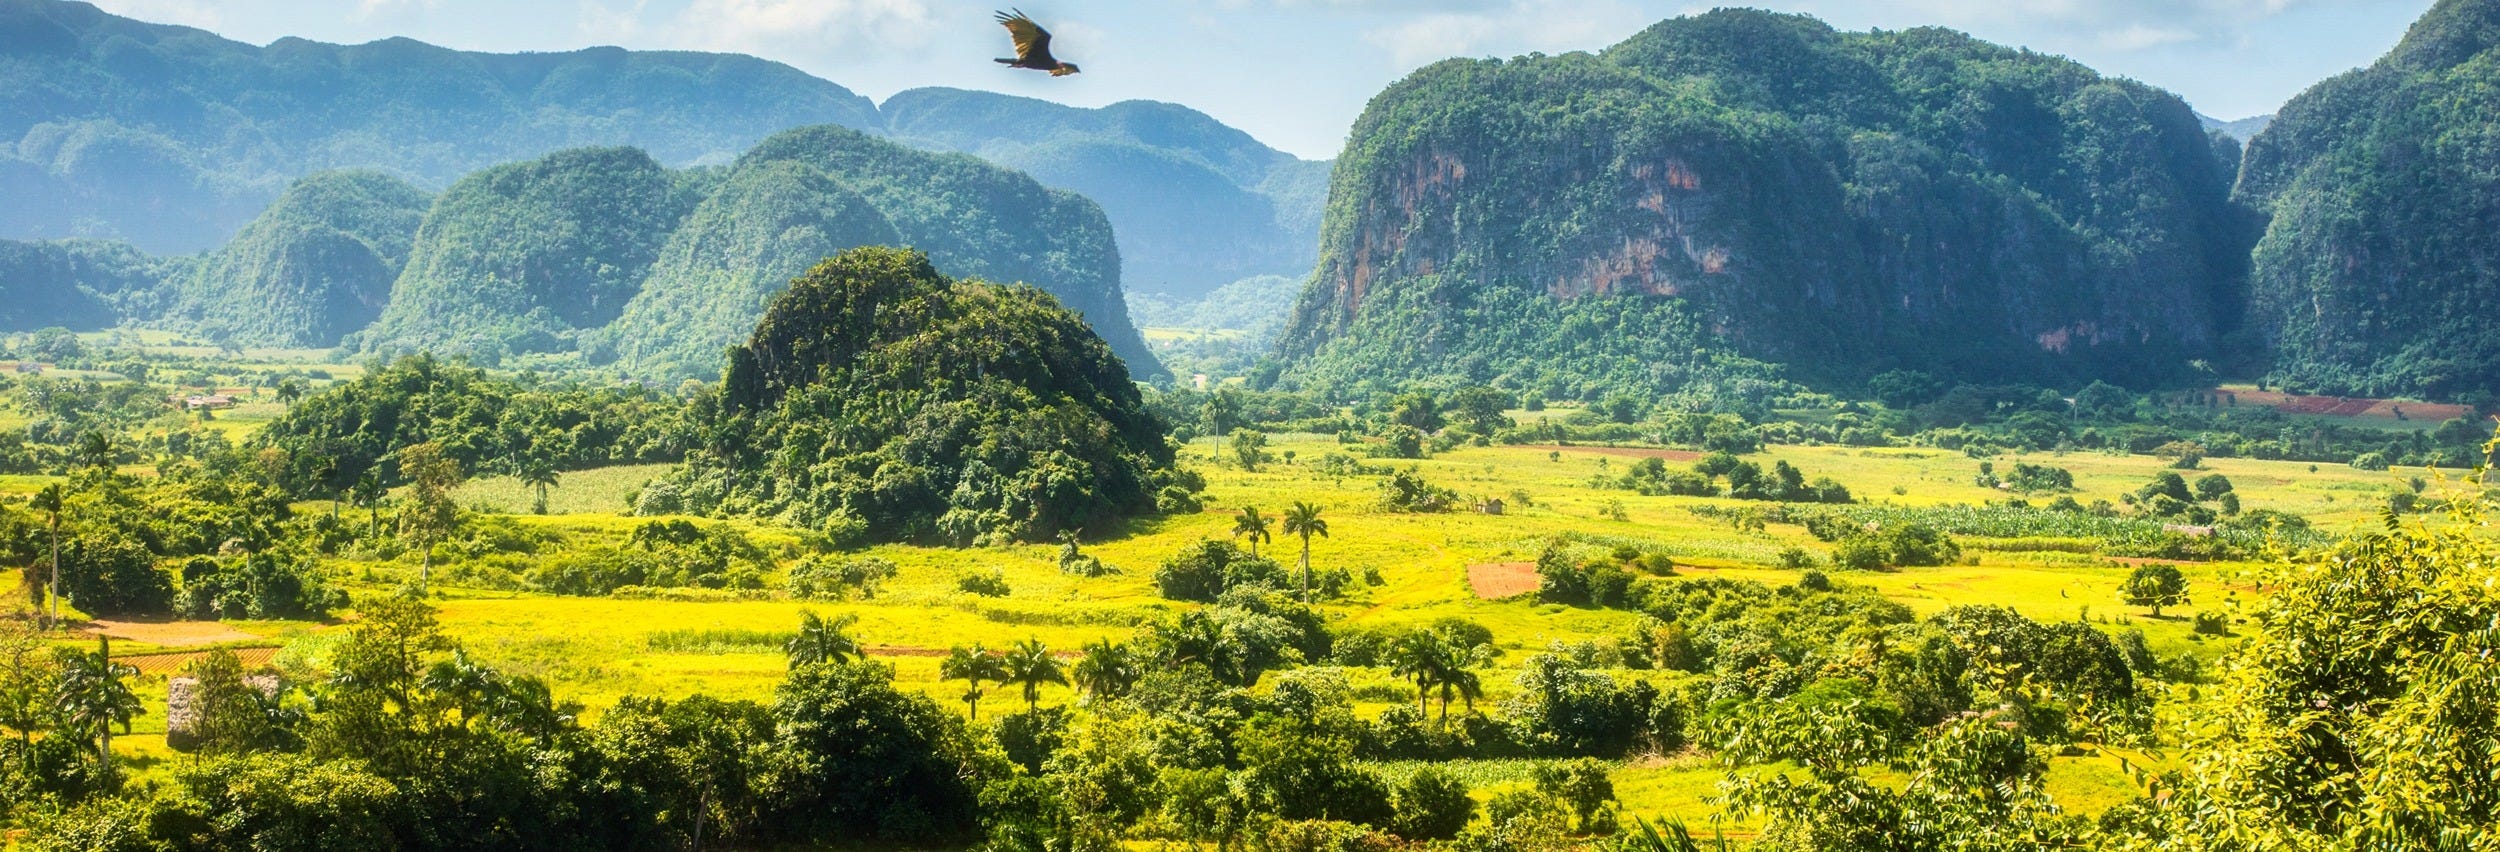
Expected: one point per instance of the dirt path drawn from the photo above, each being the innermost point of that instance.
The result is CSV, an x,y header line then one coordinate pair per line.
x,y
1628,452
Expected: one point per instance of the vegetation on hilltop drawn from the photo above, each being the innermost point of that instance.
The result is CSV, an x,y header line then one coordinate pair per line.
x,y
2378,270
1760,185
76,284
879,400
522,257
806,194
316,266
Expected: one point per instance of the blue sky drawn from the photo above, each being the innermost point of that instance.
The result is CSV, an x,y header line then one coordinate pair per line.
x,y
1295,73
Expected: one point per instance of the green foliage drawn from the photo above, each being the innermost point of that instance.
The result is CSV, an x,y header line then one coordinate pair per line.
x,y
1204,571
113,576
2154,586
2365,282
882,400
85,284
267,585
487,424
316,266
1432,805
1635,219
522,257
1407,491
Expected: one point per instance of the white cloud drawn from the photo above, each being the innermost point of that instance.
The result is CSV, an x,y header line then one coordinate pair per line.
x,y
610,25
2122,25
804,27
1518,26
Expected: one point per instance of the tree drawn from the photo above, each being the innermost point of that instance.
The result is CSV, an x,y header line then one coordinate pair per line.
x,y
1028,664
1418,657
96,450
290,390
1433,805
1249,448
50,501
229,715
540,475
1253,526
432,475
821,641
972,666
1302,519
367,492
2155,586
1106,670
93,696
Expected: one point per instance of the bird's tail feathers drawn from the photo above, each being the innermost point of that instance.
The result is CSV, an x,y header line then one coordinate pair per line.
x,y
1004,61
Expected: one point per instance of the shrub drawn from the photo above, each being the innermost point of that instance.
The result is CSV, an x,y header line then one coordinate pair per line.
x,y
990,584
1432,805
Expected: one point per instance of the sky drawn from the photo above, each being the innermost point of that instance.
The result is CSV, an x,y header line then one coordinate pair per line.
x,y
1296,73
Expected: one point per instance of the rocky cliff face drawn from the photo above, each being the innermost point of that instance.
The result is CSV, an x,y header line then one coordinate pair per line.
x,y
1741,181
2380,267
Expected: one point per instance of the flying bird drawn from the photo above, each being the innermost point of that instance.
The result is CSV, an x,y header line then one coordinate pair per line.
x,y
1032,46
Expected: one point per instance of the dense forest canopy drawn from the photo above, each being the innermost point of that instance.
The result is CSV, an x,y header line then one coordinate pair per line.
x,y
316,266
879,400
1746,182
2379,267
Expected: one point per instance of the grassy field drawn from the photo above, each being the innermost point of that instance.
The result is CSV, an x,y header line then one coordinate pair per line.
x,y
595,650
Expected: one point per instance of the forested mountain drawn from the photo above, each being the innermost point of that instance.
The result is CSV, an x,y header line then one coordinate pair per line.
x,y
882,400
314,267
523,257
2241,129
172,137
82,285
1196,204
2379,271
805,194
1840,203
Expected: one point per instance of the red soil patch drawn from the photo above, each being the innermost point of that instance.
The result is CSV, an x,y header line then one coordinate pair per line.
x,y
1497,580
1631,452
170,634
2350,406
173,663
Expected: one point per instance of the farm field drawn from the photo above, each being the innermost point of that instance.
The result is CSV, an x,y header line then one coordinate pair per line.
x,y
597,650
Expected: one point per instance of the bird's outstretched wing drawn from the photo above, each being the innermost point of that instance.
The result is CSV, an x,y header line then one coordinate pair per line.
x,y
1032,42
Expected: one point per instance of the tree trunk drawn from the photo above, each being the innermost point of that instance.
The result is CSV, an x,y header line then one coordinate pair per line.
x,y
53,582
1306,568
425,567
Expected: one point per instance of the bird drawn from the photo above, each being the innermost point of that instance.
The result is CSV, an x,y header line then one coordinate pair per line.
x,y
1032,46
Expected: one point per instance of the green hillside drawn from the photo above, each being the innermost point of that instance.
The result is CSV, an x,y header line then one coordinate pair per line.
x,y
173,138
2378,271
521,258
888,402
76,284
314,267
1744,185
977,220
1196,204
764,226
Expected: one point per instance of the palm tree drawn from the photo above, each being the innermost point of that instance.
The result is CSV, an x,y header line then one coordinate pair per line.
x,y
822,641
289,390
1453,675
96,449
1252,525
1029,664
50,501
1302,519
971,665
538,474
1418,657
92,697
1106,670
367,492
